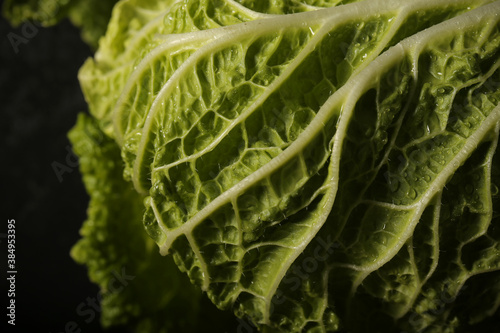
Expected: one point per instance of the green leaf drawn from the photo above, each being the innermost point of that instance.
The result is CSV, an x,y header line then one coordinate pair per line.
x,y
315,168
120,258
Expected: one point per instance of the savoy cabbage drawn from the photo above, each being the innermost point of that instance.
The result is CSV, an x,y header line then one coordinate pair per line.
x,y
311,166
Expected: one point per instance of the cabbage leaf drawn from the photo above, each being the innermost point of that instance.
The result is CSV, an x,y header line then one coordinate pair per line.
x,y
314,166
125,264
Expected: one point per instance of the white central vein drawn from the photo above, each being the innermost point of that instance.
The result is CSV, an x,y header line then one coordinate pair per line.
x,y
222,37
304,138
349,94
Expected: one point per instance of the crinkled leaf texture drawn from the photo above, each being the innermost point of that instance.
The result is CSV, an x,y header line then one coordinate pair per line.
x,y
121,258
315,169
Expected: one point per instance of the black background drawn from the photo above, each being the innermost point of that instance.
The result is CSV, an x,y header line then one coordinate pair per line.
x,y
39,99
